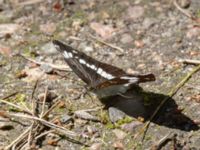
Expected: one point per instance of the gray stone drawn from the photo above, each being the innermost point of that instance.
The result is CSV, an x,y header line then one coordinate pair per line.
x,y
148,22
89,49
115,114
48,49
134,12
126,38
85,115
46,68
65,118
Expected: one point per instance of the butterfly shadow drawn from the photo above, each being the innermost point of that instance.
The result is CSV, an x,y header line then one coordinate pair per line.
x,y
138,103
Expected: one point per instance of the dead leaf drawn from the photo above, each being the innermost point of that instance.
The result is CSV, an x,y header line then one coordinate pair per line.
x,y
52,142
57,6
21,74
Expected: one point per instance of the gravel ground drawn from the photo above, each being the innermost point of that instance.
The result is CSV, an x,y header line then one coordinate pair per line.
x,y
150,36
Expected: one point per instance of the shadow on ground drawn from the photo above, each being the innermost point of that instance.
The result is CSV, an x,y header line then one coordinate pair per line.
x,y
138,103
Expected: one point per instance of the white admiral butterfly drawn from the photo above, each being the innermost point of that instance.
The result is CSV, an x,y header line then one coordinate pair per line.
x,y
105,80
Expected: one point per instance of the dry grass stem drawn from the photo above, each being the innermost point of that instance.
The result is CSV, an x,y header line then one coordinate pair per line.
x,y
57,67
18,139
190,61
46,123
108,44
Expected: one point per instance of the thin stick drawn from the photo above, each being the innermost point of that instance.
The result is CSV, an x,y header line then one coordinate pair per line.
x,y
52,107
170,94
16,106
30,2
10,95
49,124
108,44
32,96
183,11
30,138
190,61
43,134
160,143
17,139
57,67
44,101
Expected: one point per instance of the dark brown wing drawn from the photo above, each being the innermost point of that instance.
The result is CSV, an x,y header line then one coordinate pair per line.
x,y
91,71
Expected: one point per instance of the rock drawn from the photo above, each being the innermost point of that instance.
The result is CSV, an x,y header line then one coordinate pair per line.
x,y
48,28
193,32
105,31
148,22
65,118
89,49
134,12
82,46
85,115
96,146
126,38
139,43
49,49
131,126
34,74
46,68
115,114
118,145
119,134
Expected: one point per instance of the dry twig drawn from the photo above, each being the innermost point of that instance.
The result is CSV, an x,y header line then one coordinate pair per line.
x,y
57,67
186,13
190,61
44,102
108,44
24,134
16,106
161,142
46,123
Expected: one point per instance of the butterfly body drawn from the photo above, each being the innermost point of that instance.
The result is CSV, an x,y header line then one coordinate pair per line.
x,y
105,80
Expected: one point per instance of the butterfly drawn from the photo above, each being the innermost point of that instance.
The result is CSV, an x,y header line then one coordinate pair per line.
x,y
103,79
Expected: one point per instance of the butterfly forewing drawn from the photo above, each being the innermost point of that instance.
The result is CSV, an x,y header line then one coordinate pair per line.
x,y
88,69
